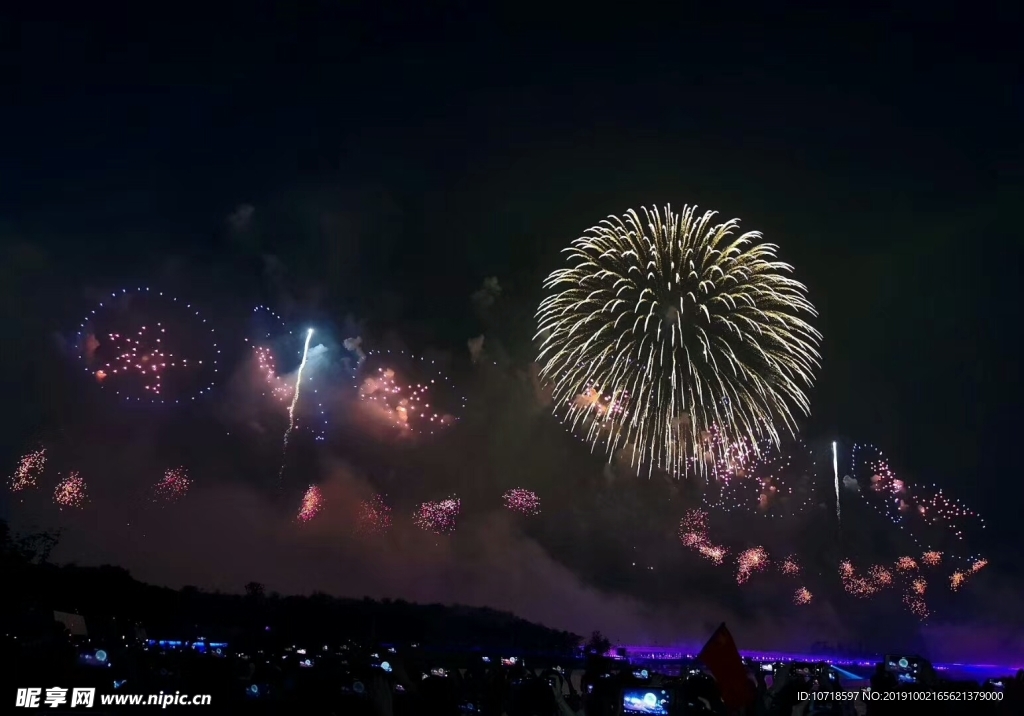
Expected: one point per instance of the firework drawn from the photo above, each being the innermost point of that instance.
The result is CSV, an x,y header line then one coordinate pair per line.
x,y
438,517
802,596
712,553
522,501
374,516
931,558
70,492
749,562
699,327
790,567
854,584
312,504
911,507
916,605
291,407
835,475
148,346
411,407
939,509
30,467
277,386
880,576
174,486
919,586
978,565
693,528
906,564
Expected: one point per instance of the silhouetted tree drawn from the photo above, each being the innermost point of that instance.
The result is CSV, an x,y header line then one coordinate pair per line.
x,y
598,643
254,590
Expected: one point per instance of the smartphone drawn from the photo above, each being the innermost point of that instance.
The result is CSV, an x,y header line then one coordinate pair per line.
x,y
767,668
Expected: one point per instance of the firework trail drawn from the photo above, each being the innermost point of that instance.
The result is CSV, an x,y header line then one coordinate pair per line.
x,y
374,516
30,467
174,486
438,517
70,492
312,504
522,501
295,401
835,476
697,326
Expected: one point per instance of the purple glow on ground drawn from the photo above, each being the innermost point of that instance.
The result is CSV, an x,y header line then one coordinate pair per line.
x,y
680,653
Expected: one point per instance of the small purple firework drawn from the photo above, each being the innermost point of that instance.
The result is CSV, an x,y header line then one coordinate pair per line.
x,y
438,517
374,516
522,501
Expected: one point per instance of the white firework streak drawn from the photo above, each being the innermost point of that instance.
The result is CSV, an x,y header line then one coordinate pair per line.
x,y
693,327
295,401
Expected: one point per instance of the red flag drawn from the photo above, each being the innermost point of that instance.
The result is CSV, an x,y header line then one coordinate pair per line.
x,y
723,660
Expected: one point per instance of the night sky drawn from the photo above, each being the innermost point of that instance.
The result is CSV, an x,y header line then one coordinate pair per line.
x,y
365,170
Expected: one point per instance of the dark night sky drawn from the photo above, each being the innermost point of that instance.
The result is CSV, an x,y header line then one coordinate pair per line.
x,y
395,158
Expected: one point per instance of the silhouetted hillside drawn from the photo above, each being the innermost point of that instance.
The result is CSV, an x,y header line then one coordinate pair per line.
x,y
114,603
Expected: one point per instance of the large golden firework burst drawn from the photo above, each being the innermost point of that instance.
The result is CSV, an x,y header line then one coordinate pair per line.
x,y
668,327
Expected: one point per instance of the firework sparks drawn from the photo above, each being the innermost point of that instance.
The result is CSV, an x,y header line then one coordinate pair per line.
x,y
854,584
374,516
916,605
749,562
522,501
931,558
919,586
410,407
174,486
712,553
880,577
126,347
312,504
30,467
438,517
268,369
70,492
978,565
790,567
802,596
693,528
906,564
705,325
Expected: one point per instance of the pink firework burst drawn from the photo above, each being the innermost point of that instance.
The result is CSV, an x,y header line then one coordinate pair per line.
x,y
312,504
790,567
70,492
802,596
30,467
174,486
374,516
522,501
880,576
438,517
932,558
693,528
749,562
712,553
